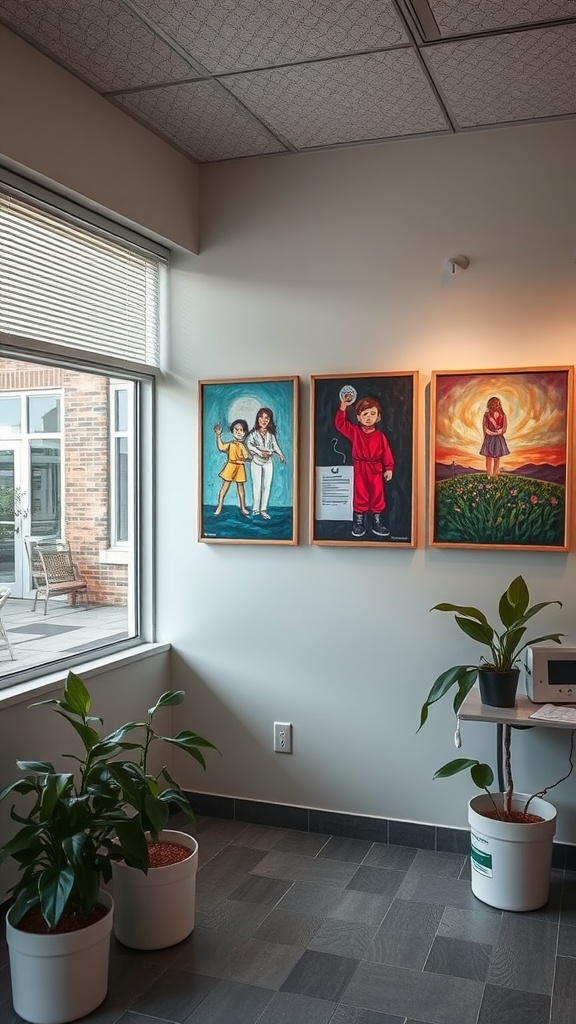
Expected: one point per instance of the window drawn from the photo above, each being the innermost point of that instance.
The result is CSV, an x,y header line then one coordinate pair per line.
x,y
121,461
79,346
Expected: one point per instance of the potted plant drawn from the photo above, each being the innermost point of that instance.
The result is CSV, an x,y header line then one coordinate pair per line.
x,y
511,833
497,676
78,826
156,909
72,826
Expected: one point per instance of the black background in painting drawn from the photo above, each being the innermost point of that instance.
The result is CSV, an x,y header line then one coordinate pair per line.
x,y
395,393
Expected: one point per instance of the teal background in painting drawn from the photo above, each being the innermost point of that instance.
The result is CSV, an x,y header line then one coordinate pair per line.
x,y
217,401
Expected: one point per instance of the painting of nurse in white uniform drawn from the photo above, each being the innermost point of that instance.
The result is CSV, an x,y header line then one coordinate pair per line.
x,y
262,445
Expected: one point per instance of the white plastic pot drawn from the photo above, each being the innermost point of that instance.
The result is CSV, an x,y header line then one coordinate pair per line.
x,y
510,862
59,978
156,910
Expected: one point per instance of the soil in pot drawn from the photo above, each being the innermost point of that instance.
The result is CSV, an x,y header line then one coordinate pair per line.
x,y
162,853
515,817
72,920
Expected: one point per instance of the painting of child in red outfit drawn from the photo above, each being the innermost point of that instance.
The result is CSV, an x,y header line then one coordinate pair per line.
x,y
363,473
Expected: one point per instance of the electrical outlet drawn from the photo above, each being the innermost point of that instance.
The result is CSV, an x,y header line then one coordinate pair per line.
x,y
283,737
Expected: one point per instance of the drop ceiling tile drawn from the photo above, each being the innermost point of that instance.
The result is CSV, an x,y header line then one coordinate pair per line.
x,y
513,77
201,118
340,101
101,41
455,17
232,35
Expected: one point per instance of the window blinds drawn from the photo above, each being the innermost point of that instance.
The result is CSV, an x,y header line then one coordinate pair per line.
x,y
62,283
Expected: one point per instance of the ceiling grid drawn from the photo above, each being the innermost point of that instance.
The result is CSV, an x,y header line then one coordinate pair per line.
x,y
222,79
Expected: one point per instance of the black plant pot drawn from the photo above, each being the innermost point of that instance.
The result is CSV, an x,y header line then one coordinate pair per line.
x,y
498,689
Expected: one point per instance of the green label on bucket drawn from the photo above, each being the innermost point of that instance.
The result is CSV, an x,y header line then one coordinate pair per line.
x,y
481,861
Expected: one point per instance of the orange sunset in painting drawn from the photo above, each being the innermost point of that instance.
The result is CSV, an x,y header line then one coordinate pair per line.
x,y
535,404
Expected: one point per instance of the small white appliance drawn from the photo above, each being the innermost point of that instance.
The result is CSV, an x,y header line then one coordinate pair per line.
x,y
550,673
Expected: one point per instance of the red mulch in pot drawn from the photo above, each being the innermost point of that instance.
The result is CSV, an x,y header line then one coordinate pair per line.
x,y
516,817
72,920
162,854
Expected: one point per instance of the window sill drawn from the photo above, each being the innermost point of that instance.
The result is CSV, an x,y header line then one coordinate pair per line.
x,y
45,684
114,556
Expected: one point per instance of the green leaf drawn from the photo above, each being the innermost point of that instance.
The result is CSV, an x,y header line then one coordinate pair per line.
x,y
157,813
87,734
479,631
76,695
168,700
41,767
54,788
132,843
471,613
459,764
518,596
465,684
54,888
482,775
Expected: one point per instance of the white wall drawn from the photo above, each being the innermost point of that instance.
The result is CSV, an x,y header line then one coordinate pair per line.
x,y
53,125
332,263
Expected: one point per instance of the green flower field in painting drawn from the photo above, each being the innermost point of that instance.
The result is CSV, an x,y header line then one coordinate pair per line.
x,y
508,509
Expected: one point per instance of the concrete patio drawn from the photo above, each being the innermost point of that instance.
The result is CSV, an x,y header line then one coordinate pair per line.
x,y
38,639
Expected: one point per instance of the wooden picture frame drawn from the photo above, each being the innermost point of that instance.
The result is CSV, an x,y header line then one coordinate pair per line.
x,y
363,492
510,486
248,455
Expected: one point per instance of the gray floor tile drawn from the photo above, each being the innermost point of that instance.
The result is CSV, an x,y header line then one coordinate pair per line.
x,y
383,855
296,867
219,829
250,961
261,889
379,880
320,975
289,928
289,1008
351,850
259,837
451,892
361,907
564,994
523,956
346,1014
471,925
307,843
406,934
567,940
429,997
507,1006
568,905
174,996
237,918
458,958
306,897
228,867
343,938
229,1001
430,862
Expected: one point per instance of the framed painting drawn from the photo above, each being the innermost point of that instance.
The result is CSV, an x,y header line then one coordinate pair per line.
x,y
500,458
247,490
363,459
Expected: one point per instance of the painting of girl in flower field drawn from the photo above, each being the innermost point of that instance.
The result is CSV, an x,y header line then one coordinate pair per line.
x,y
500,458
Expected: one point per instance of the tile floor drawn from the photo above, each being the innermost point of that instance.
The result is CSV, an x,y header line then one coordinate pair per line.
x,y
298,928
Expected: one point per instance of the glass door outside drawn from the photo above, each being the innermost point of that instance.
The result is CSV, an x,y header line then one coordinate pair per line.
x,y
13,512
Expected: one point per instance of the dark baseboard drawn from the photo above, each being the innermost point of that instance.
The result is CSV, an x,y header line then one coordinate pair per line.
x,y
352,826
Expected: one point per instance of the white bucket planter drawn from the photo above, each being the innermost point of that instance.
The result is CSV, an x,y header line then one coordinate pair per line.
x,y
510,862
156,910
59,978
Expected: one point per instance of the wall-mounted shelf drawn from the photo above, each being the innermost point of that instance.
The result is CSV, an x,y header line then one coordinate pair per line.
x,y
473,710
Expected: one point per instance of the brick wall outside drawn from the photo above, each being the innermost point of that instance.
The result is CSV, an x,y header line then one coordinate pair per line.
x,y
86,471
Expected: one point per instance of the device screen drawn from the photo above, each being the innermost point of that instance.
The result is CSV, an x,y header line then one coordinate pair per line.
x,y
561,673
